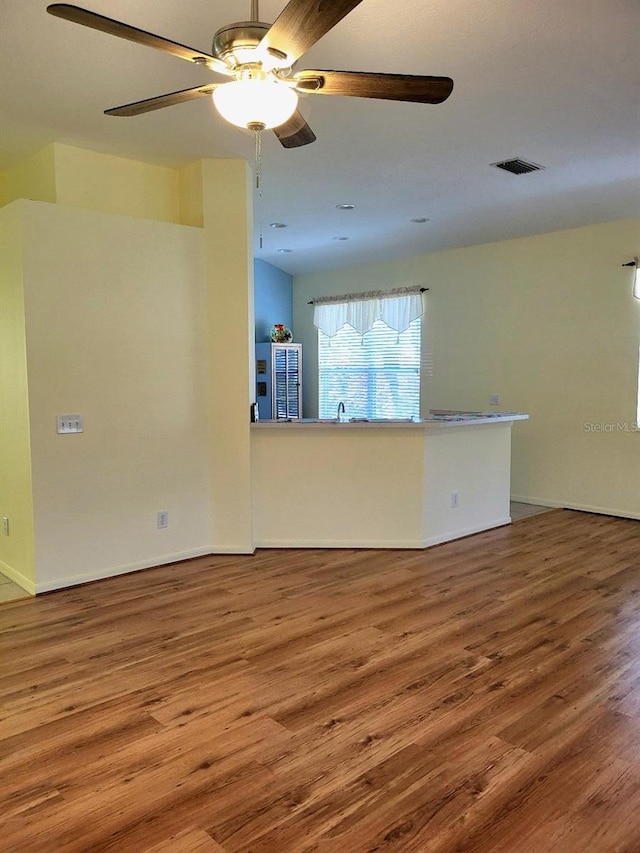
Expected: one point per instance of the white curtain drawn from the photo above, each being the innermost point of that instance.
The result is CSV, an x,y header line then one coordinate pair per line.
x,y
397,308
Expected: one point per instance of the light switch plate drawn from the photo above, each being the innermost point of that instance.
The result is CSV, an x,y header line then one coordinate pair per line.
x,y
69,424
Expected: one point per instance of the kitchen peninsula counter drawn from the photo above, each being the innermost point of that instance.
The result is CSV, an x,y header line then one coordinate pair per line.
x,y
437,421
380,484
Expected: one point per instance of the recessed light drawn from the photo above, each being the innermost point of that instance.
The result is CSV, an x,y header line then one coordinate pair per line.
x,y
345,206
277,225
284,251
340,238
420,219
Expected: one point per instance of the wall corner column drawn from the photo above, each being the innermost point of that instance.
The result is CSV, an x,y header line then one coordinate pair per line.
x,y
227,219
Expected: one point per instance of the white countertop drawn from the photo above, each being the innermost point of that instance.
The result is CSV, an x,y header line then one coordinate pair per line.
x,y
438,419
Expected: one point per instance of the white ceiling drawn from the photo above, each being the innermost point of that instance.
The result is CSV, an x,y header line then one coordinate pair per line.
x,y
556,82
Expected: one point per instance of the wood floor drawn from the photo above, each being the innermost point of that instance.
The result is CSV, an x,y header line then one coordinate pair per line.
x,y
483,695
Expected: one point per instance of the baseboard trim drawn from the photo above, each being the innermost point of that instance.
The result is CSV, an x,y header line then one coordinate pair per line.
x,y
339,543
15,576
468,531
409,544
114,571
598,510
537,501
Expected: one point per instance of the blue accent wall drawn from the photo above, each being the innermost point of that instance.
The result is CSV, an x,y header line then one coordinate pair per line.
x,y
273,299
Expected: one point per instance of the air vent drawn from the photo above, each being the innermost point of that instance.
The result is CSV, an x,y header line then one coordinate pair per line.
x,y
517,167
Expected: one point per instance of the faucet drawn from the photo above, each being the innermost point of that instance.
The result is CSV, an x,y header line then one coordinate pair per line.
x,y
340,409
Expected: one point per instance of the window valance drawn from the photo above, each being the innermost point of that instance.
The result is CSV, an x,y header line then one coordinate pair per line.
x,y
396,308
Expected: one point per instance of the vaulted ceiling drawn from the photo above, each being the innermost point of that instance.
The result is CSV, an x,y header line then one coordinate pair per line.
x,y
555,82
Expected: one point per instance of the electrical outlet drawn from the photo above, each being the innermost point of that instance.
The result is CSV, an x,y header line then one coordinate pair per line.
x,y
5,525
162,519
455,499
495,399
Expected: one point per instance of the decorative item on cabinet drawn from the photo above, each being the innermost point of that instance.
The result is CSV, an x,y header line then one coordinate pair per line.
x,y
281,334
279,380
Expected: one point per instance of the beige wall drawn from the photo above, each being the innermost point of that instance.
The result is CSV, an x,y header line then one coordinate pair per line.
x,y
116,314
34,178
549,323
16,501
228,236
115,185
191,195
349,488
4,193
90,180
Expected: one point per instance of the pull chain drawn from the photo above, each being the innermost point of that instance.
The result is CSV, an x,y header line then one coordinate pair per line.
x,y
258,158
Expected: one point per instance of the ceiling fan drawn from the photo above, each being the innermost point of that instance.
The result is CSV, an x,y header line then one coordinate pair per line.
x,y
259,56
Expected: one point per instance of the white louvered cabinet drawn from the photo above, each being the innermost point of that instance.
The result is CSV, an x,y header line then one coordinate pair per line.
x,y
279,381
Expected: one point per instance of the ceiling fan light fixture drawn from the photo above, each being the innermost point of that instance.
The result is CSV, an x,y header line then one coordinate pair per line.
x,y
251,102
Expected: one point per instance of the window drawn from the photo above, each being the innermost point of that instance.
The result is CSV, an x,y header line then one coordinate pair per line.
x,y
376,375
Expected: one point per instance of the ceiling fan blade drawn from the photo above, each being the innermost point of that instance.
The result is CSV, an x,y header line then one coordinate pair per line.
x,y
388,87
169,100
295,133
301,24
116,28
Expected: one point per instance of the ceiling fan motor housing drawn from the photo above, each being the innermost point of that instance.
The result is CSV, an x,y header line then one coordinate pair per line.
x,y
230,42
